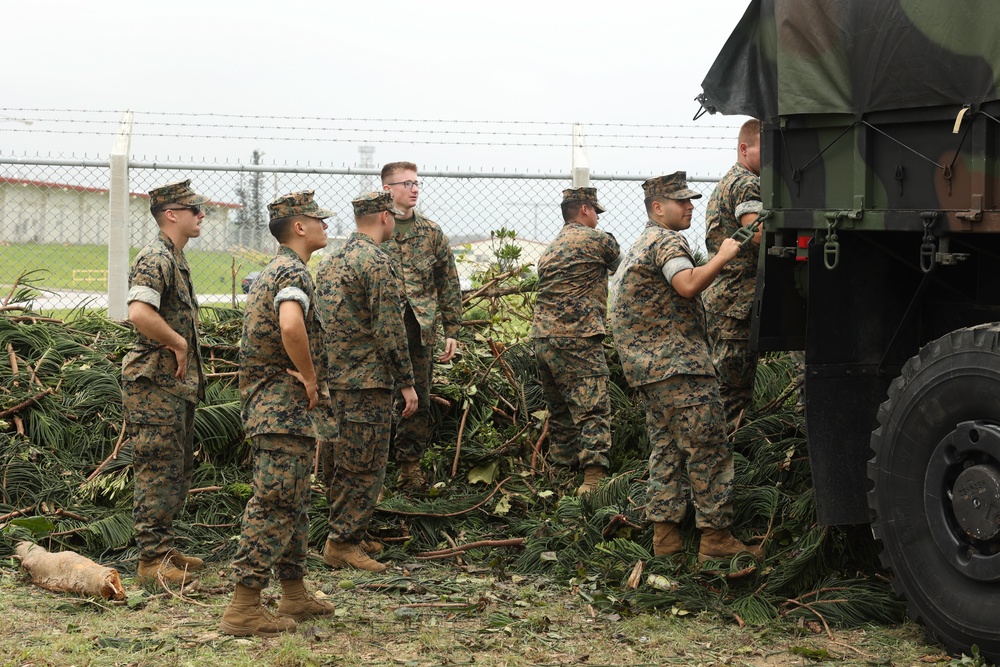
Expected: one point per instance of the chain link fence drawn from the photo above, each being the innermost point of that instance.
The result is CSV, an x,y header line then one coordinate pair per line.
x,y
54,217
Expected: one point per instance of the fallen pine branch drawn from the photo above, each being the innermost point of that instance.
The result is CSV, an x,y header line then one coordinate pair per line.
x,y
71,515
538,443
441,400
458,442
438,605
517,543
449,514
26,403
114,455
466,298
17,513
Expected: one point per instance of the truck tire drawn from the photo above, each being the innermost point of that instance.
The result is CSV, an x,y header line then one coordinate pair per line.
x,y
935,494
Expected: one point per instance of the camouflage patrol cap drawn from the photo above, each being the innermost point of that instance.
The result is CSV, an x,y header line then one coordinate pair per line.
x,y
297,203
585,195
375,202
175,193
671,186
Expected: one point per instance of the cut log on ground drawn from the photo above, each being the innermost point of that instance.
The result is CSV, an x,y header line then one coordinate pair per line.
x,y
69,572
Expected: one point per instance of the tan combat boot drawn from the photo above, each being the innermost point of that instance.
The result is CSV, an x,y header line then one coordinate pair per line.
x,y
716,544
192,563
245,616
371,547
666,539
152,571
349,554
298,603
410,475
592,476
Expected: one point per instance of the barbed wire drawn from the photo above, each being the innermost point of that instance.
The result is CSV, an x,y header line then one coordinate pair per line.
x,y
365,120
383,130
354,140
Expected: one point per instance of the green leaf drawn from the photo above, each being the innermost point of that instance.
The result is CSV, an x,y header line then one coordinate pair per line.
x,y
503,506
486,474
38,525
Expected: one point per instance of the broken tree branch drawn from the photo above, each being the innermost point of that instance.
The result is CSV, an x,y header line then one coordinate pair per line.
x,y
458,442
114,455
26,403
449,514
516,543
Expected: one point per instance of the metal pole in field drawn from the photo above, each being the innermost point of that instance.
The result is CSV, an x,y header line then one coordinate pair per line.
x,y
118,227
581,167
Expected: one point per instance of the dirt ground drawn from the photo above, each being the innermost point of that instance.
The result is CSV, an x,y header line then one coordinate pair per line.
x,y
421,616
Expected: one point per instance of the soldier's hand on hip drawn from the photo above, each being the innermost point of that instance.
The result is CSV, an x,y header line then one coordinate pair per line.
x,y
181,354
450,348
312,388
410,396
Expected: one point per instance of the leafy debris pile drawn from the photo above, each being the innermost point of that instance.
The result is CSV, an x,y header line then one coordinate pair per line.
x,y
65,474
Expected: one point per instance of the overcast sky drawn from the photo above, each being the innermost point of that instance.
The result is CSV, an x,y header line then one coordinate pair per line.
x,y
297,71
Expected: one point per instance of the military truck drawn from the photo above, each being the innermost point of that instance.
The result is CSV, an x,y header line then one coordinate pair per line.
x,y
880,258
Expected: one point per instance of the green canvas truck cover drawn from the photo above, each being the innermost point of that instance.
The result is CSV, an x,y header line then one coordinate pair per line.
x,y
790,57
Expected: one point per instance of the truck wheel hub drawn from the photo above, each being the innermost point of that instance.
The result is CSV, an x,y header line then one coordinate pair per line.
x,y
976,501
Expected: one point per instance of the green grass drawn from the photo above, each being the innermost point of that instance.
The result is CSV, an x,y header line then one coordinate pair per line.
x,y
56,263
375,624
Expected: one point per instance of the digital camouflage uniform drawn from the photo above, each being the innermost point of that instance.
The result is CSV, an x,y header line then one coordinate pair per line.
x,y
159,408
362,304
663,347
568,332
275,413
729,299
421,256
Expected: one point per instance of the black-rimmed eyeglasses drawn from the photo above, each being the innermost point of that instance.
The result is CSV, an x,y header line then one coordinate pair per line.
x,y
409,185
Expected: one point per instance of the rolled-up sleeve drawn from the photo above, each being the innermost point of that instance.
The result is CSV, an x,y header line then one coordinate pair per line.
x,y
675,266
292,294
144,294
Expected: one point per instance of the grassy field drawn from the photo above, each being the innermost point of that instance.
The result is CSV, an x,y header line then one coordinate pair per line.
x,y
420,615
83,267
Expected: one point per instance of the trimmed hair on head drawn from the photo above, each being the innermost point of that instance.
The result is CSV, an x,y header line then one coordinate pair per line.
x,y
281,227
157,212
750,132
648,201
571,209
394,168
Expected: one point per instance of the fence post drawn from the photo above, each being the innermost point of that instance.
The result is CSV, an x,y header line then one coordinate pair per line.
x,y
581,168
118,222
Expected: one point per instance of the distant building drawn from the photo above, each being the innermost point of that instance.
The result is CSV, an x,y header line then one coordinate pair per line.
x,y
473,254
41,212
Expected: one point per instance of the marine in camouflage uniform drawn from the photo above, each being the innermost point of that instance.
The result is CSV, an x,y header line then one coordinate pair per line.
x,y
281,362
735,203
568,336
422,258
361,302
658,323
162,380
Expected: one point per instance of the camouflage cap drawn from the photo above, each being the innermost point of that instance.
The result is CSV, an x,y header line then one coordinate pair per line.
x,y
375,202
671,186
585,195
297,203
175,193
